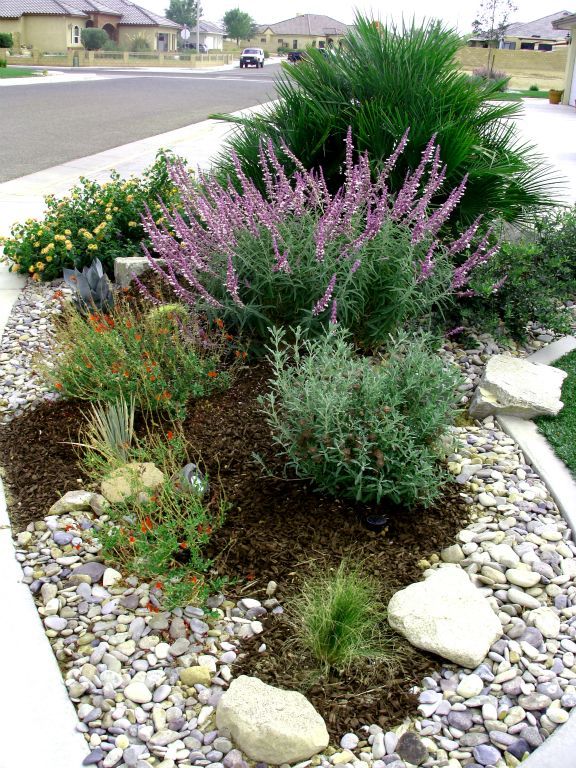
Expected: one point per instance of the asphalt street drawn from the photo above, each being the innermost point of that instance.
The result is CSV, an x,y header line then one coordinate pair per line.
x,y
49,123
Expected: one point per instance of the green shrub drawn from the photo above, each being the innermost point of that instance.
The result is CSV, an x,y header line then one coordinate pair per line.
x,y
161,364
534,87
161,538
358,428
102,220
139,43
340,618
492,76
6,40
110,45
556,234
380,83
93,38
3,63
522,283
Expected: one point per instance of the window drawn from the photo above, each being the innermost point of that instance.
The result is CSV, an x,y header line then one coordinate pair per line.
x,y
527,46
262,39
294,44
509,46
545,47
76,35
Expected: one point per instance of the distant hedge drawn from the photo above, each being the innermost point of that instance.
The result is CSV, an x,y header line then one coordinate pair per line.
x,y
6,40
93,38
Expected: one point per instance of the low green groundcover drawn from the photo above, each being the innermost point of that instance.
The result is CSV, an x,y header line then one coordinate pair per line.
x,y
560,430
6,72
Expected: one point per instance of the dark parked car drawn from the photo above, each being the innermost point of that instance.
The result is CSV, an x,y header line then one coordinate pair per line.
x,y
202,48
295,56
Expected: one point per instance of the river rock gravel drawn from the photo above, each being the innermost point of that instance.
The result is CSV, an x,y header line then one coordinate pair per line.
x,y
146,682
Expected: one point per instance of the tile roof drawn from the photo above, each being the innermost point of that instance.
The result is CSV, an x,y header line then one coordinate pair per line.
x,y
307,24
539,28
208,28
129,13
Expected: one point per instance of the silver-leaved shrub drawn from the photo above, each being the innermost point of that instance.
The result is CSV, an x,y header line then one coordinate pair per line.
x,y
362,428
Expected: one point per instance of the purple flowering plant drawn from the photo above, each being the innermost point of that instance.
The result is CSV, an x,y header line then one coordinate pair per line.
x,y
299,255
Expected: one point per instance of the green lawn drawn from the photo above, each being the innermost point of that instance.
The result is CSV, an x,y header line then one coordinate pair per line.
x,y
560,431
6,72
519,95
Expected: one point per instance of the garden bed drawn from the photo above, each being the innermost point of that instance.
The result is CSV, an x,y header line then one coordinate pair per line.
x,y
277,529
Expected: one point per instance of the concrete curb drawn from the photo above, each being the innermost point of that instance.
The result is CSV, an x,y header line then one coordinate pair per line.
x,y
562,486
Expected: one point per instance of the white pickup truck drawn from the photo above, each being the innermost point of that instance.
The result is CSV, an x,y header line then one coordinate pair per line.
x,y
253,56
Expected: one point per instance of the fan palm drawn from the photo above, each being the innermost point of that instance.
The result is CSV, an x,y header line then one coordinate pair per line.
x,y
381,82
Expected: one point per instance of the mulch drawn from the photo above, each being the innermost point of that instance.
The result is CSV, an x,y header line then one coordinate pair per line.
x,y
278,528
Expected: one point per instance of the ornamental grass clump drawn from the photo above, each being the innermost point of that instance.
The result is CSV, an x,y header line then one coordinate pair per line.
x,y
365,429
300,255
161,360
341,620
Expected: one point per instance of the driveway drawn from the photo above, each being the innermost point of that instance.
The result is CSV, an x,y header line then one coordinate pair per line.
x,y
69,115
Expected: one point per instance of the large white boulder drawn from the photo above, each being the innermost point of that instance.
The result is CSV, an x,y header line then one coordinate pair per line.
x,y
270,725
516,387
447,615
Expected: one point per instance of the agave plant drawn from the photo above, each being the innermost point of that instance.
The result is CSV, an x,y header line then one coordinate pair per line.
x,y
382,81
92,290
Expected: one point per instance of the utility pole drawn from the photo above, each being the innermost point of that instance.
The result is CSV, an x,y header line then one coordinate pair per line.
x,y
198,27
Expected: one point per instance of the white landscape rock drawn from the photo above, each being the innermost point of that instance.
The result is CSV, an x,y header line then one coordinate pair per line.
x,y
131,479
269,724
517,387
446,614
73,501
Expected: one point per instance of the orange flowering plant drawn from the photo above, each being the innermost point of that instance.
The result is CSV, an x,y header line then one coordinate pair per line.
x,y
160,358
161,536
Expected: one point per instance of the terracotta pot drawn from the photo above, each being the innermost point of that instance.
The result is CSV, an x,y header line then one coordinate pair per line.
x,y
554,96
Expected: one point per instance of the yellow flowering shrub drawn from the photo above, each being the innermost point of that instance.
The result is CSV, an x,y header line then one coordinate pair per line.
x,y
94,219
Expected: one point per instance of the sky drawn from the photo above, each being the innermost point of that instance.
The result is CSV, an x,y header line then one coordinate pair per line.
x,y
455,13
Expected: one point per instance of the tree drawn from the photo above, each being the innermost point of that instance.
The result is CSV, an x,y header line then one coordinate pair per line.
x,y
491,22
239,25
93,38
184,12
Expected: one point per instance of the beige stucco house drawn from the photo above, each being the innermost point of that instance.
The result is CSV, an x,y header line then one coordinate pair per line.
x,y
56,25
307,29
568,24
538,35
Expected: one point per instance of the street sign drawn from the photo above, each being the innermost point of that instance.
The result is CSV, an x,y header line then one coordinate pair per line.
x,y
185,33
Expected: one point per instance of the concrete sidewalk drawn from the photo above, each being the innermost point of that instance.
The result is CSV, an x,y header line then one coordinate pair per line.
x,y
23,198
36,695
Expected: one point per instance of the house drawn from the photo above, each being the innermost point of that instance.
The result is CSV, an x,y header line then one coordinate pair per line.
x,y
210,34
307,29
56,25
537,35
568,24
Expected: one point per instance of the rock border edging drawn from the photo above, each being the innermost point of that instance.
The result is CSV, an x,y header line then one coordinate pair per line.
x,y
562,486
